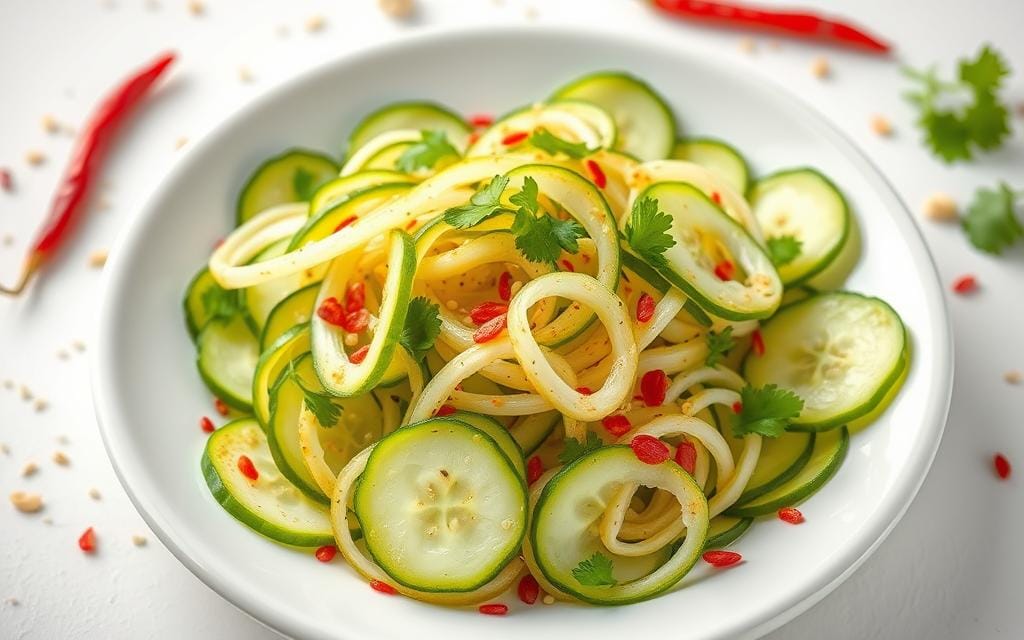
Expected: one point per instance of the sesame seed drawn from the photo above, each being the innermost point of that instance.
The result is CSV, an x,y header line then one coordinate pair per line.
x,y
25,393
63,354
78,345
40,405
451,305
196,8
940,207
8,239
748,45
8,384
548,599
531,13
315,23
1013,377
139,541
35,157
881,125
98,258
50,124
180,142
61,458
244,74
397,9
12,601
4,449
47,520
820,68
94,493
29,469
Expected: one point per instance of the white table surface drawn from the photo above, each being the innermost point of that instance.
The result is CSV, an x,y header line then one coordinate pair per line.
x,y
951,569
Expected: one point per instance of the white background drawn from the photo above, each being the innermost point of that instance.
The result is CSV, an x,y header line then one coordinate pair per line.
x,y
951,569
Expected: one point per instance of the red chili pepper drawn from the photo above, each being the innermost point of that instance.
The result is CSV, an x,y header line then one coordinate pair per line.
x,y
716,198
206,424
725,270
505,286
534,469
807,26
791,515
6,181
445,410
616,425
597,174
757,342
87,541
584,390
567,266
490,329
653,385
528,589
247,468
645,308
965,284
473,137
331,311
686,456
356,321
486,311
649,449
718,558
1002,466
515,138
383,587
359,354
85,162
344,223
493,609
481,120
221,407
737,407
326,553
355,296
411,224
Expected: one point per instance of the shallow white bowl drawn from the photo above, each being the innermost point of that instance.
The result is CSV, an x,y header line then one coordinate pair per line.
x,y
149,397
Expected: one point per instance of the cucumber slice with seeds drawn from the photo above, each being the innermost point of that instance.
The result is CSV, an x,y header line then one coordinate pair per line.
x,y
410,115
718,156
228,352
441,506
293,176
269,505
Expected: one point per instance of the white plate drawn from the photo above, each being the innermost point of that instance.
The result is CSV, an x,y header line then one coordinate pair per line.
x,y
149,397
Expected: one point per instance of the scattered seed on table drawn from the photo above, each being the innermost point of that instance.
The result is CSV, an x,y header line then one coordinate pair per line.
x,y
244,74
196,7
26,502
748,45
94,493
881,125
4,449
98,258
63,439
35,157
152,5
315,23
531,13
47,520
25,393
8,384
12,601
50,124
63,354
820,67
138,540
1013,377
61,458
29,469
8,239
548,599
78,345
40,405
397,9
940,207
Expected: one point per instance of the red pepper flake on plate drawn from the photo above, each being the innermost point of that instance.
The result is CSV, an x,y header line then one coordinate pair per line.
x,y
87,541
791,515
719,558
649,449
326,553
493,609
221,407
965,284
529,589
383,587
6,181
206,424
653,386
481,120
1002,466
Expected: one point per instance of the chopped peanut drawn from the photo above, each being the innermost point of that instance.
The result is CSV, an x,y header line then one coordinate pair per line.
x,y
35,157
98,258
940,207
29,469
26,502
61,458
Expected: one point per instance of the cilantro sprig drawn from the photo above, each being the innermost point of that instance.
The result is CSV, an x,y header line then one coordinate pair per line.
x,y
595,571
422,326
320,404
647,231
575,449
784,249
718,345
766,410
547,141
425,154
965,114
991,223
483,204
541,238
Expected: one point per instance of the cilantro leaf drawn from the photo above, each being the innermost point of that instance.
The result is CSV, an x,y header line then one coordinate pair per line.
x,y
990,222
718,345
320,404
986,73
547,141
647,231
575,449
425,154
422,326
595,571
482,205
541,238
766,410
947,135
220,303
784,249
987,121
302,184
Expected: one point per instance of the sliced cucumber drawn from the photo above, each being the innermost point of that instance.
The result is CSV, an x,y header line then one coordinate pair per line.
x,y
353,207
341,188
725,530
227,357
261,299
645,124
288,314
531,431
198,300
829,451
563,527
698,225
293,176
717,156
841,352
272,362
572,120
410,115
387,158
499,433
780,460
441,506
269,505
805,205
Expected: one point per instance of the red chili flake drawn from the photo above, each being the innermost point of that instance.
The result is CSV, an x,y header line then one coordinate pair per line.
x,y
505,286
649,449
596,174
716,198
6,181
247,468
356,321
515,138
206,424
686,456
87,541
221,407
217,243
359,354
616,425
481,120
791,515
528,589
331,311
534,469
584,390
444,410
383,587
645,308
1002,466
344,223
653,385
490,329
486,311
725,270
965,284
412,223
473,137
718,558
355,296
326,553
737,407
567,266
757,342
493,609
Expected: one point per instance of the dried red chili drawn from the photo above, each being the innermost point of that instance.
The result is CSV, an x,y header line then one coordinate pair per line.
x,y
1002,466
725,270
597,174
206,424
383,587
344,223
221,407
567,266
445,410
965,284
515,138
534,469
529,589
481,120
616,425
645,308
486,311
686,456
649,449
356,321
493,609
791,515
653,386
331,311
505,286
737,407
359,354
716,198
326,553
757,342
718,558
490,329
6,181
355,296
584,390
80,174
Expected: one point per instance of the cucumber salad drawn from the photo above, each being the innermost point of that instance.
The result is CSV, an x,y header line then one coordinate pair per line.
x,y
572,347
